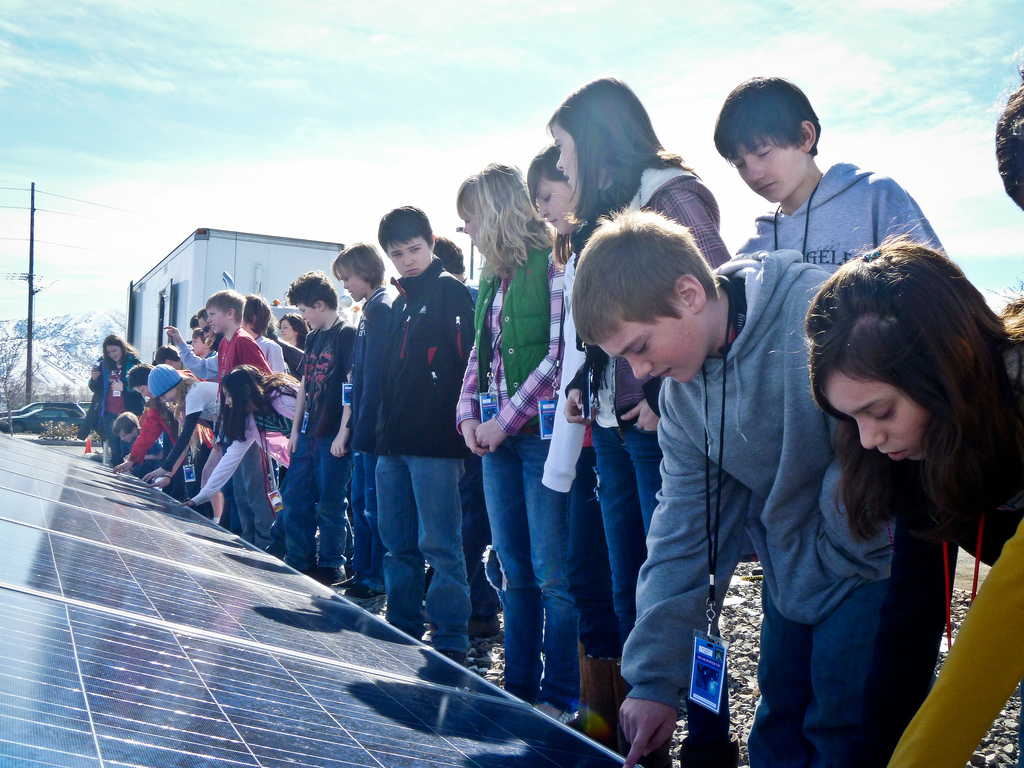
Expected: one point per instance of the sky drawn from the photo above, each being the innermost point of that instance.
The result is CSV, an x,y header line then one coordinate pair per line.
x,y
140,122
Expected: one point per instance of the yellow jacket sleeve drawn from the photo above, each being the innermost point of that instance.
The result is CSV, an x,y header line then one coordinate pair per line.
x,y
984,666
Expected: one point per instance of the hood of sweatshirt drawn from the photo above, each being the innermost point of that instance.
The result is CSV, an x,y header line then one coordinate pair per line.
x,y
851,211
777,443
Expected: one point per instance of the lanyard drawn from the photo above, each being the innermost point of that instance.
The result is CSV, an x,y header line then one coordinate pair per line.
x,y
807,222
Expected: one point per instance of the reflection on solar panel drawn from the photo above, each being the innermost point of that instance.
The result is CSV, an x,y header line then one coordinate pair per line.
x,y
133,632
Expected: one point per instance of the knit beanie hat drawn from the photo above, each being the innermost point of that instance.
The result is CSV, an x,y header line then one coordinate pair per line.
x,y
163,379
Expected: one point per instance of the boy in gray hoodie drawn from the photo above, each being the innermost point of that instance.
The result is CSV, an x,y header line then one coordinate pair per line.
x,y
769,132
747,455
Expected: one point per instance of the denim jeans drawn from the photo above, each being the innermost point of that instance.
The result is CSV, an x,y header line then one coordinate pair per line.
x,y
530,535
255,515
368,549
590,575
314,497
629,473
420,516
812,680
476,537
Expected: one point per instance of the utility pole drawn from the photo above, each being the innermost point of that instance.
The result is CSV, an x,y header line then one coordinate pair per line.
x,y
31,292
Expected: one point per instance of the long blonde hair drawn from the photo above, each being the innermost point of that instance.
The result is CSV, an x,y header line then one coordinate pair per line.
x,y
509,225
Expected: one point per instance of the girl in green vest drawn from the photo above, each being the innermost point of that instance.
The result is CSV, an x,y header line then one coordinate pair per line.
x,y
513,369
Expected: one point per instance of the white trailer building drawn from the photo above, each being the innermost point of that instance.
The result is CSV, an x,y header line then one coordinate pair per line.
x,y
172,291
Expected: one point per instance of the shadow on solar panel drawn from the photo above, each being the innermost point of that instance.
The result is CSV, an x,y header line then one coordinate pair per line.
x,y
134,632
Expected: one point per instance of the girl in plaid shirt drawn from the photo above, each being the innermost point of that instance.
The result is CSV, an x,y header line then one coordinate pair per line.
x,y
514,368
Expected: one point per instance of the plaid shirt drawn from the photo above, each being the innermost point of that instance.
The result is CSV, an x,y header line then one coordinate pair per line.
x,y
542,383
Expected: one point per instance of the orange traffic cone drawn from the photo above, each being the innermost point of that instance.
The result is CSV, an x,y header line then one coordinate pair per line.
x,y
88,446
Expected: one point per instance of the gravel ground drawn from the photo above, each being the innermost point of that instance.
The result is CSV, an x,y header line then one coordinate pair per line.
x,y
741,625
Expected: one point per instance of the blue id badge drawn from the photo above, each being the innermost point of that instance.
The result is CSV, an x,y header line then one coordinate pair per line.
x,y
547,418
346,394
488,406
305,421
708,676
190,473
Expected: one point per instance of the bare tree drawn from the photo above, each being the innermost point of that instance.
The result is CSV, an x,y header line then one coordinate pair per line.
x,y
12,374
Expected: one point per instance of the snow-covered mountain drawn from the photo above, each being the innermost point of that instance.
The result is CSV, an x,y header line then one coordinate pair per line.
x,y
65,348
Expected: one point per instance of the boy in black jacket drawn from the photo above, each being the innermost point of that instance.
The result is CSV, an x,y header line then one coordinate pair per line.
x,y
419,451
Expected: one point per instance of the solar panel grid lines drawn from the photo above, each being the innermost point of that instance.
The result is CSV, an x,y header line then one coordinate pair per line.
x,y
135,633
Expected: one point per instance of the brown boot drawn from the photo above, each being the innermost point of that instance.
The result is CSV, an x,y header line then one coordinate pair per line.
x,y
602,691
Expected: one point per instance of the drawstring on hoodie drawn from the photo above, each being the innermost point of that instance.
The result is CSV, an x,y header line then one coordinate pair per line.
x,y
807,221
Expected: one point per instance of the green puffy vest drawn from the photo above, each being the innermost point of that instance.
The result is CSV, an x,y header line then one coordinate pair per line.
x,y
525,322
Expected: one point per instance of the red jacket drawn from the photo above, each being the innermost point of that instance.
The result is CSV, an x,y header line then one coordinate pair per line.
x,y
150,428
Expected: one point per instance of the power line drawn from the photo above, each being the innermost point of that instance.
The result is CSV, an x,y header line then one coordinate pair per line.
x,y
15,189
17,207
91,218
83,248
89,202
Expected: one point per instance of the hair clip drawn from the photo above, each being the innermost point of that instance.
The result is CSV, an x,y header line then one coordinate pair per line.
x,y
872,255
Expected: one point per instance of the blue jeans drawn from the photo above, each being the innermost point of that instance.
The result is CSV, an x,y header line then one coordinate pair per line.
x,y
530,535
368,549
590,575
629,473
812,680
314,497
420,516
476,537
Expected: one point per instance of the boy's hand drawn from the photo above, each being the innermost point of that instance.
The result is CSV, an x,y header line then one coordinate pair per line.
x,y
173,334
469,427
124,466
646,725
338,447
489,436
646,418
574,407
154,475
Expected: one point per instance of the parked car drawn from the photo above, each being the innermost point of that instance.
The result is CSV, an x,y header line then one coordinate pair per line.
x,y
33,416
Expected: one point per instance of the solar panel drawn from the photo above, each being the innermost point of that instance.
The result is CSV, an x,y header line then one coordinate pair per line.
x,y
133,632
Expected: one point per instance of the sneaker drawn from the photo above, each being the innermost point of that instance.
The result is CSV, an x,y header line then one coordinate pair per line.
x,y
359,590
562,716
459,657
325,575
484,627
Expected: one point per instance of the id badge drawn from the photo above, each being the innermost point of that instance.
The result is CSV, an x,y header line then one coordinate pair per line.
x,y
115,392
305,421
276,503
488,406
547,418
190,473
708,676
346,394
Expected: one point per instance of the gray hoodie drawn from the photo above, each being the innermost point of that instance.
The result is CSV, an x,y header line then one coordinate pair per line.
x,y
778,489
851,211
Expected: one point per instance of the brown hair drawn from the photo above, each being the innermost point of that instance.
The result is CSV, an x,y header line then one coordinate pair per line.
x,y
227,301
628,273
113,340
907,316
615,143
545,167
310,287
257,313
126,422
362,259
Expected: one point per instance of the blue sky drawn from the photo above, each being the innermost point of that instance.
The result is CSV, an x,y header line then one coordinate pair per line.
x,y
312,119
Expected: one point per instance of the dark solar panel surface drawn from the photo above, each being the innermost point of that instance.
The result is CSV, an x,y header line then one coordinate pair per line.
x,y
135,633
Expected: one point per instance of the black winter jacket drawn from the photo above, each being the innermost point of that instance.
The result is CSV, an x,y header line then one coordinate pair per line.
x,y
427,349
